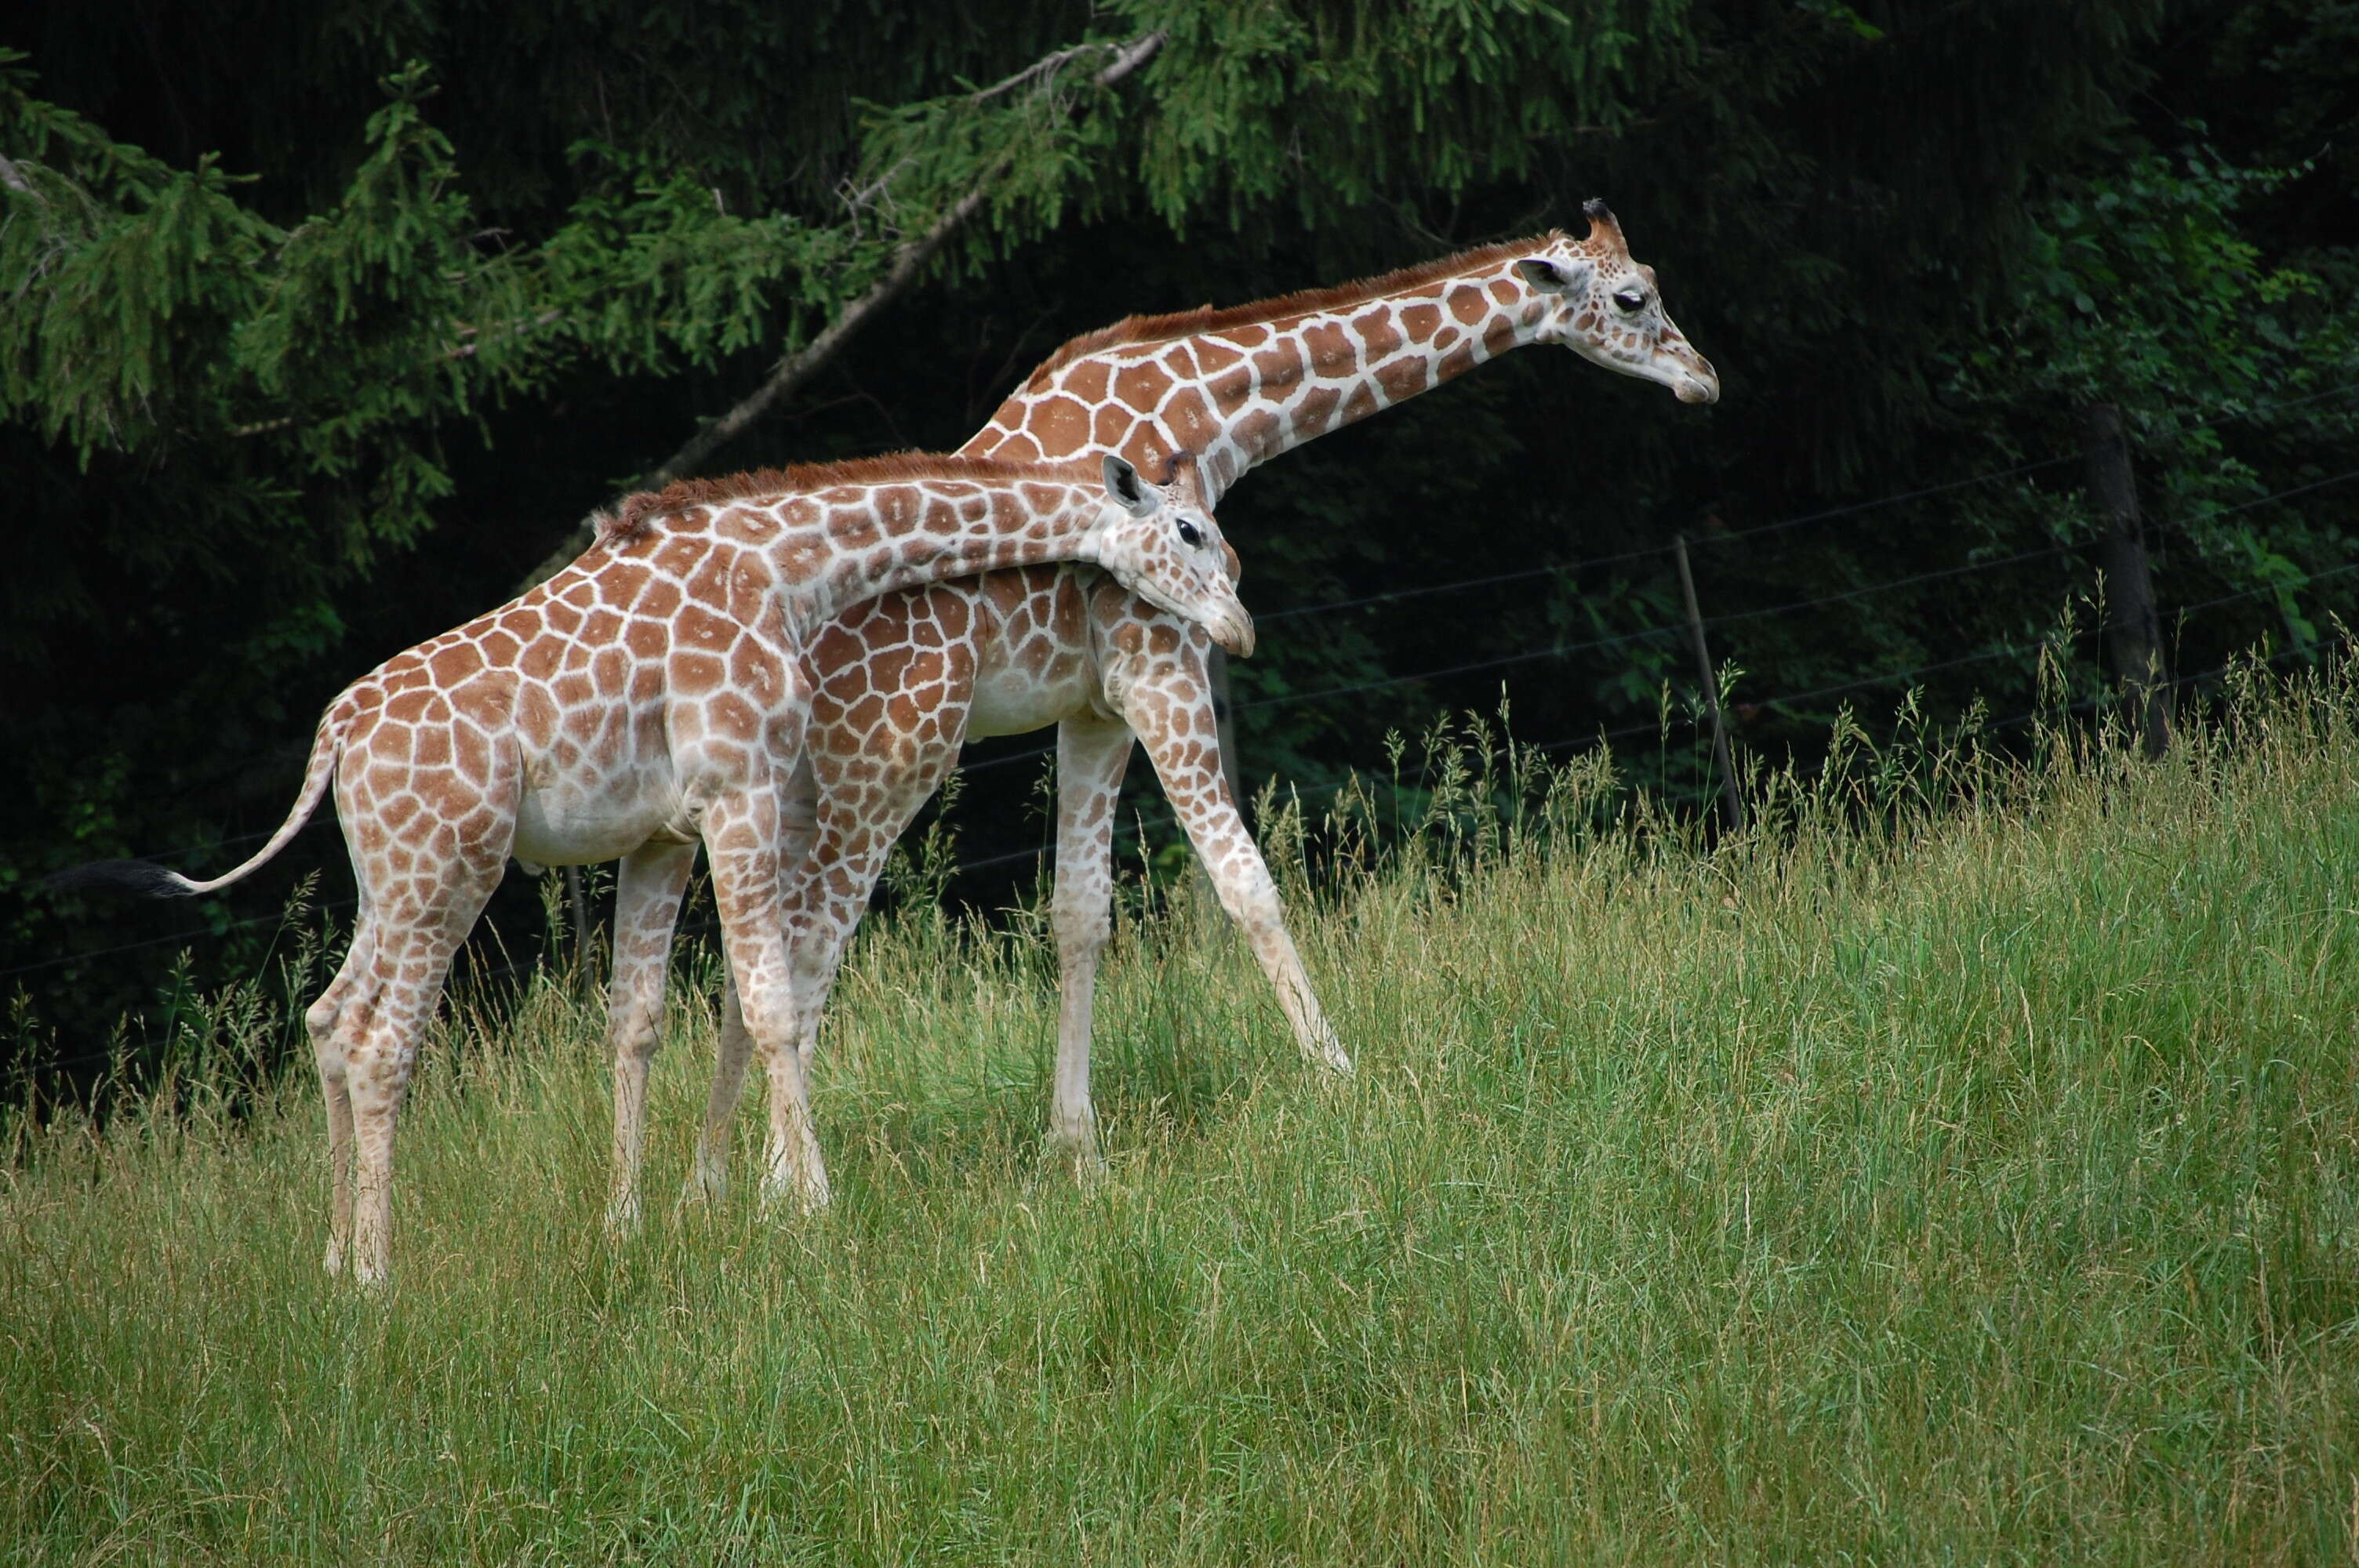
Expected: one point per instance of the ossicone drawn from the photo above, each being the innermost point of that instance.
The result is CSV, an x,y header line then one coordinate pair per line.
x,y
1185,474
1603,227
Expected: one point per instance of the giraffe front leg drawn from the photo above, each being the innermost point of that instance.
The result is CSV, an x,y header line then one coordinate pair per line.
x,y
646,906
1170,708
823,907
1091,755
864,801
741,836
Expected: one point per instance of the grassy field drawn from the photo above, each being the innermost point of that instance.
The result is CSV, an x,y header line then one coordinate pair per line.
x,y
1959,1169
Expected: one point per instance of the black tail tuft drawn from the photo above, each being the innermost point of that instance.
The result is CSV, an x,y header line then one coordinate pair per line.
x,y
142,877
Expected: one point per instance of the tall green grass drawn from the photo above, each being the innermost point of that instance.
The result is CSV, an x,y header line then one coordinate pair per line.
x,y
1960,1167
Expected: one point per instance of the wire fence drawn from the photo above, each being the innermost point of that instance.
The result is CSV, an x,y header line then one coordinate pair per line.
x,y
1562,650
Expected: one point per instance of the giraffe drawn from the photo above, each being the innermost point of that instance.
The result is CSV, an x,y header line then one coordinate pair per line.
x,y
1064,645
648,697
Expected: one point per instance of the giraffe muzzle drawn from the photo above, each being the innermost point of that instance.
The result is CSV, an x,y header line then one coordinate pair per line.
x,y
1234,630
1698,382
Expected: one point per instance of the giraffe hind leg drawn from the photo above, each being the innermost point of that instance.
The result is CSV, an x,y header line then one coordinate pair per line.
x,y
334,1022
708,1176
416,917
647,907
740,838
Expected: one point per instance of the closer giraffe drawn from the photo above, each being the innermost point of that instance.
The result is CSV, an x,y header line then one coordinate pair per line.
x,y
649,697
1236,388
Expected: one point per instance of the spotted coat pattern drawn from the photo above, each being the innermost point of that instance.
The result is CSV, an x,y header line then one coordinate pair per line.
x,y
1019,650
649,697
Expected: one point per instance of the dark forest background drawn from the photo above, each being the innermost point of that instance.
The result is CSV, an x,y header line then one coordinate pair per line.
x,y
324,324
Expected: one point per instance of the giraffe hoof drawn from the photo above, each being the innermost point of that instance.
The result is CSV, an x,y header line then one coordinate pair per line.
x,y
1330,1055
1077,1153
795,1199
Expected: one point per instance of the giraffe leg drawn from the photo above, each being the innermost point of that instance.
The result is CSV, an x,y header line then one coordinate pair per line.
x,y
741,836
1170,708
1091,754
324,1020
866,804
408,965
824,908
1247,891
862,809
647,906
708,1178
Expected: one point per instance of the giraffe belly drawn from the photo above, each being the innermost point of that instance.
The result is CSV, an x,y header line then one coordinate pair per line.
x,y
1013,701
565,823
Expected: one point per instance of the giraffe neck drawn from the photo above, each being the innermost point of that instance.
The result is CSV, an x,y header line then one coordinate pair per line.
x,y
831,554
1318,372
1241,396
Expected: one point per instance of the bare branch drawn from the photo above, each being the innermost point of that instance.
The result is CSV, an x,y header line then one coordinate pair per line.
x,y
1047,65
792,373
1129,57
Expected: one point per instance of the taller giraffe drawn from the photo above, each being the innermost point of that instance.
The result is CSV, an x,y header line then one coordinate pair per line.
x,y
1237,387
649,697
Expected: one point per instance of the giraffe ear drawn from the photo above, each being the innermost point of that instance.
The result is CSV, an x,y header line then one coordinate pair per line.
x,y
1122,482
1550,277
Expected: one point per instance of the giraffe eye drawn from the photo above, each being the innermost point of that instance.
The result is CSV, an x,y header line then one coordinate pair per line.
x,y
1631,299
1189,534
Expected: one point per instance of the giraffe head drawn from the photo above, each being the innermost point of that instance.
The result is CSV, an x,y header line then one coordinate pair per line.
x,y
1604,307
1161,542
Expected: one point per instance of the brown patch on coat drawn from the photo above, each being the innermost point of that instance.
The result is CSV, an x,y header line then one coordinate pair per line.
x,y
1191,421
1330,346
1377,333
1207,318
1404,377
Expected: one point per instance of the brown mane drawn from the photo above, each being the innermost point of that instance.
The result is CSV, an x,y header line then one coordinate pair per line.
x,y
632,517
1302,302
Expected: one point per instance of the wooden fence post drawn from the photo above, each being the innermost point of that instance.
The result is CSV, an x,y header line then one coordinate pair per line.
x,y
1732,804
2132,630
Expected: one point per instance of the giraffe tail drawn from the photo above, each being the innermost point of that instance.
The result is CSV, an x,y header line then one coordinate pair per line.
x,y
156,881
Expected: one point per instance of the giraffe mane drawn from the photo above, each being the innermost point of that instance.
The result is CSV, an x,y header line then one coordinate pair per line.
x,y
634,514
1302,302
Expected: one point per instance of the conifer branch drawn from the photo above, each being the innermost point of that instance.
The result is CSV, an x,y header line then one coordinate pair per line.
x,y
796,369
